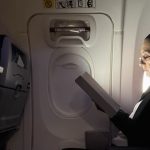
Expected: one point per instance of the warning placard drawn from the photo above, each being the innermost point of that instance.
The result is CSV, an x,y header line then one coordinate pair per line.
x,y
63,4
49,3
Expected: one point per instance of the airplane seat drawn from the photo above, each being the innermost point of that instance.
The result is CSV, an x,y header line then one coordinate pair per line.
x,y
14,87
104,143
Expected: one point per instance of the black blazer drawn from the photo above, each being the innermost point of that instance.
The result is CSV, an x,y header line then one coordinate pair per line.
x,y
136,129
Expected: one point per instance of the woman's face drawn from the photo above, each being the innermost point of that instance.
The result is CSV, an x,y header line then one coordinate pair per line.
x,y
145,56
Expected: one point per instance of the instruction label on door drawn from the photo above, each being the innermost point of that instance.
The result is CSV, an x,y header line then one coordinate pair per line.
x,y
64,4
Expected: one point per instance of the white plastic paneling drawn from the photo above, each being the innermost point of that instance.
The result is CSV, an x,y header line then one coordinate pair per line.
x,y
63,114
15,21
19,11
136,27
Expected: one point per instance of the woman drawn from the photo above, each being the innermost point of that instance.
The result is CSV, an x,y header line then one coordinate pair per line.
x,y
136,126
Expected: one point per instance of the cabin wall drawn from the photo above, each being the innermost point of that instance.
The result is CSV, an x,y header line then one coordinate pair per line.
x,y
131,75
129,32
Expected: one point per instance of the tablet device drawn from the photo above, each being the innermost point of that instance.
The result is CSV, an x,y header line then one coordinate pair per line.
x,y
97,94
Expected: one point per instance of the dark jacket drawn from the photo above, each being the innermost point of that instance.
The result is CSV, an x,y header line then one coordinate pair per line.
x,y
136,129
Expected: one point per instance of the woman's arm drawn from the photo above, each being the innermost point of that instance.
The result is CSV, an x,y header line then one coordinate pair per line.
x,y
124,123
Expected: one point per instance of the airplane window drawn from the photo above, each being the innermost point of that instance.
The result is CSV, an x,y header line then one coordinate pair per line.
x,y
146,82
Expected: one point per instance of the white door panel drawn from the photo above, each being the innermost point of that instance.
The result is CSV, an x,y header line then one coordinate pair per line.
x,y
62,111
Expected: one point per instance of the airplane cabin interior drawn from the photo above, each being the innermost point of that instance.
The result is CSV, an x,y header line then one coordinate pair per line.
x,y
44,46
